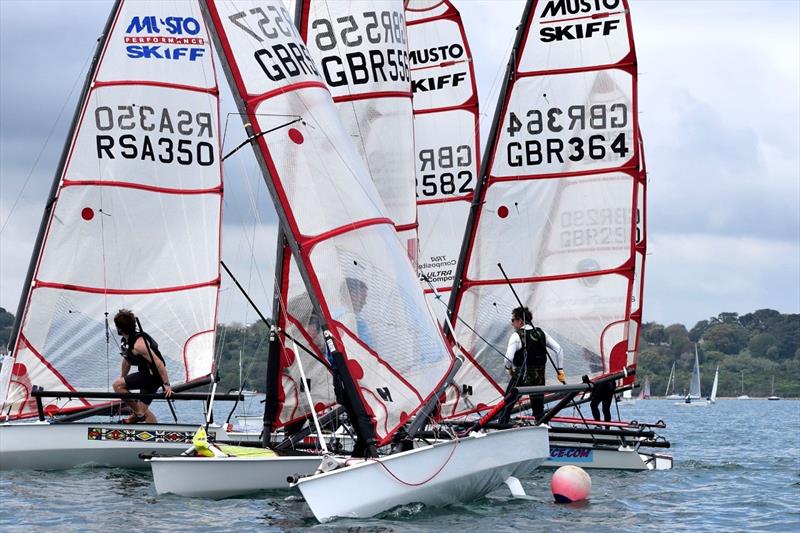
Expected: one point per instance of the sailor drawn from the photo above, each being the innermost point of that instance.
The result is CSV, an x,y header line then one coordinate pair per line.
x,y
527,352
602,392
140,350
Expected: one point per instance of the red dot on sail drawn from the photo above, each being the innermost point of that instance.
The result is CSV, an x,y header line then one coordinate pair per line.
x,y
87,213
19,369
319,406
288,358
355,369
296,136
502,211
51,410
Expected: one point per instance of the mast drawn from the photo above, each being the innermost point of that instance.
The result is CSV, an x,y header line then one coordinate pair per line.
x,y
62,161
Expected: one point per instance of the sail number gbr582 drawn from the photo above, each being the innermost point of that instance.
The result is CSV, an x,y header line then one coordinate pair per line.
x,y
607,121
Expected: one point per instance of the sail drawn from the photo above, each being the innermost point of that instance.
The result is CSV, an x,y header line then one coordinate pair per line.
x,y
294,311
374,105
694,386
447,157
670,380
714,385
361,49
557,203
135,222
347,251
446,137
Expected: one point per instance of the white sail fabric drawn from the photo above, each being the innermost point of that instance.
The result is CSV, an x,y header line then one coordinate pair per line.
x,y
694,385
298,319
368,79
558,204
446,137
136,223
349,253
360,47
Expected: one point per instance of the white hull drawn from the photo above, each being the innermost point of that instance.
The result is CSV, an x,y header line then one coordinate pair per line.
x,y
440,474
622,458
225,477
45,446
695,403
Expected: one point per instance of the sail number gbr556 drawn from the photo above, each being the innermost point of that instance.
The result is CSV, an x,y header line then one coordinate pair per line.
x,y
606,122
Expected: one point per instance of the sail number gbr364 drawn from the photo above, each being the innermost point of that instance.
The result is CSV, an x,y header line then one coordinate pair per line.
x,y
606,122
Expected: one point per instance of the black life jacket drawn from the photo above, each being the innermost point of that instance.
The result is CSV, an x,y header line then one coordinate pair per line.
x,y
534,348
144,366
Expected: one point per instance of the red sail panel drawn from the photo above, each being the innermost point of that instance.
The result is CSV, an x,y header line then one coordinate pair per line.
x,y
345,245
136,221
558,198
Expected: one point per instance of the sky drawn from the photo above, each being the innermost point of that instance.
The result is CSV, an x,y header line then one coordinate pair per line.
x,y
719,102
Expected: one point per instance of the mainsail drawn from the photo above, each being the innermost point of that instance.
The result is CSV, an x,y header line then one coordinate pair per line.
x,y
694,385
446,136
558,202
134,218
368,78
354,267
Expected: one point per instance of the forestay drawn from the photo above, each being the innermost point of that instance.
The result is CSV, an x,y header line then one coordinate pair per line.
x,y
347,251
136,219
560,196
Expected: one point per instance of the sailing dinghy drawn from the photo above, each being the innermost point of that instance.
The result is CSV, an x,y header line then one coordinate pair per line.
x,y
390,358
139,177
538,211
377,116
694,386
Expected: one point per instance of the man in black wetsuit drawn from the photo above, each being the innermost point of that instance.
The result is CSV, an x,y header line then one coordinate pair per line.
x,y
140,350
602,392
527,352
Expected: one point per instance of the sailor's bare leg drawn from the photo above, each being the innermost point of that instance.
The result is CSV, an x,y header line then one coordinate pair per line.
x,y
138,408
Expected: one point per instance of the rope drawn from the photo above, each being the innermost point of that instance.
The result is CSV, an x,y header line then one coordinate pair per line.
x,y
409,484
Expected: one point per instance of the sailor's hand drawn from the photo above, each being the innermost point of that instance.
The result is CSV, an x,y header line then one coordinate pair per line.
x,y
560,375
168,390
510,372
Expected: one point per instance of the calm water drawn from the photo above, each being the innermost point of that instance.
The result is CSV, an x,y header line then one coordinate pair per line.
x,y
737,467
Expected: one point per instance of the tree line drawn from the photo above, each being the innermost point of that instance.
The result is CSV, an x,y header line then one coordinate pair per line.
x,y
750,349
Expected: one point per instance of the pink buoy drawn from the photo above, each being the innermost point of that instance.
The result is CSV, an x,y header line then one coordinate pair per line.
x,y
570,484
